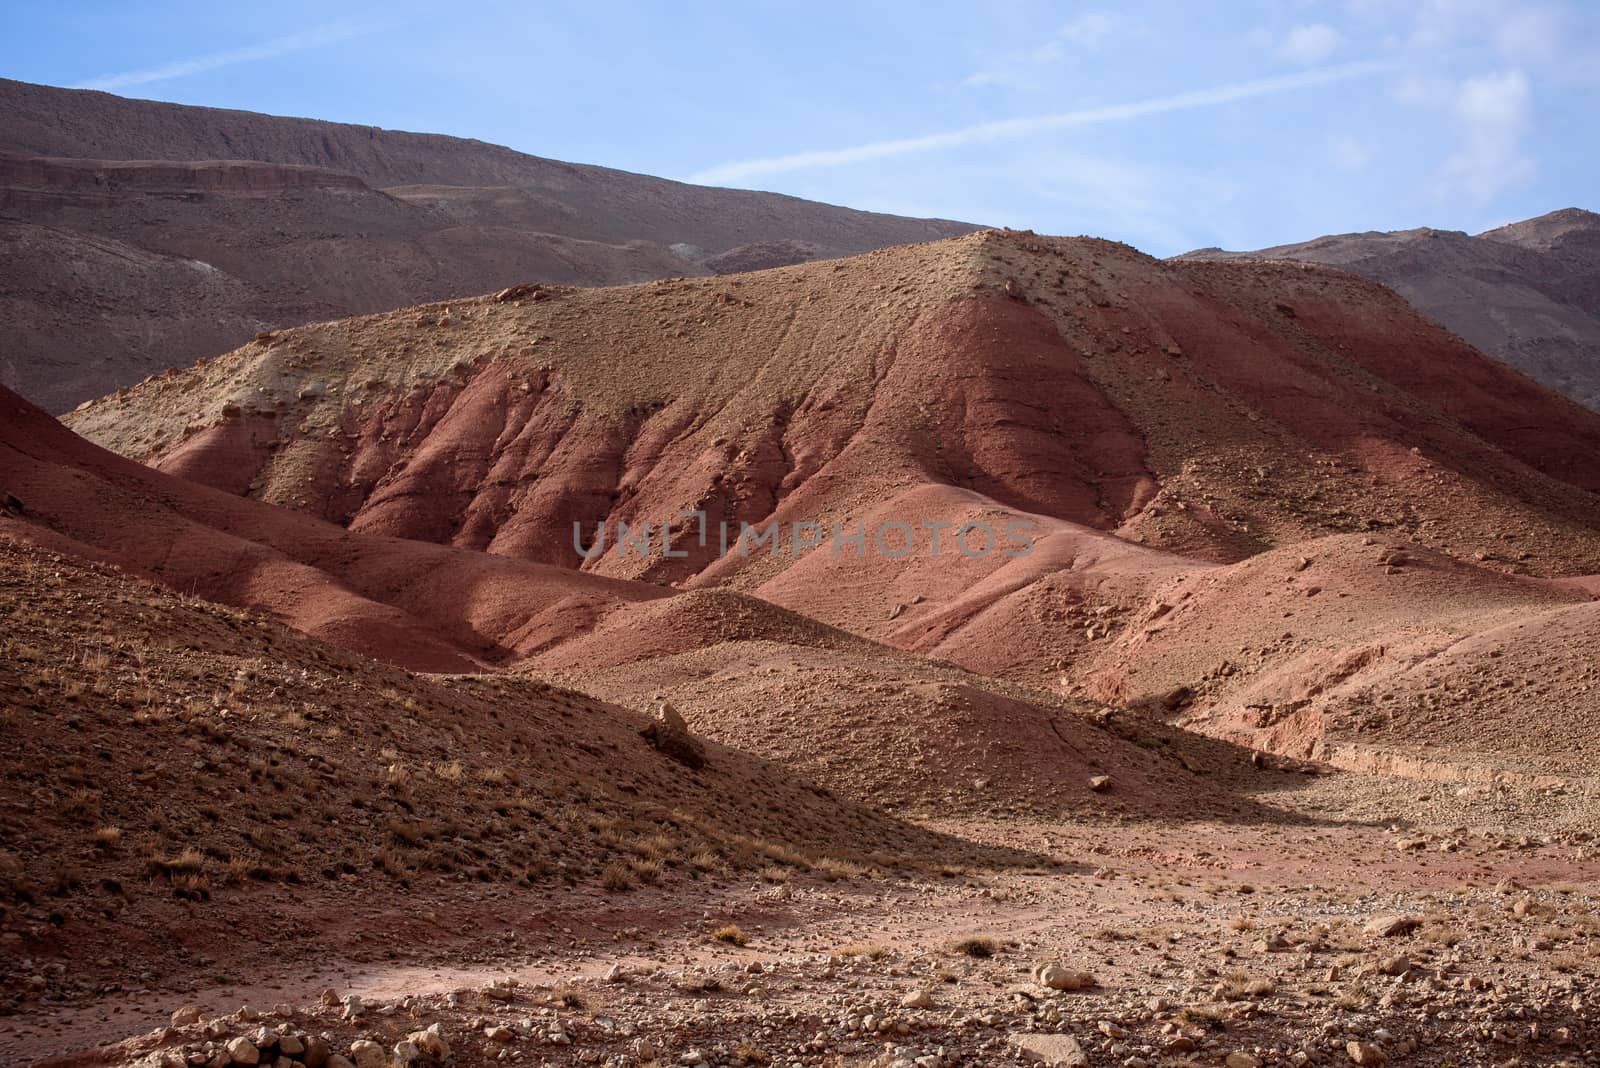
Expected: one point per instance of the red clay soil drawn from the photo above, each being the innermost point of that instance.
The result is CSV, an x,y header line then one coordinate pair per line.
x,y
1209,409
1151,423
424,606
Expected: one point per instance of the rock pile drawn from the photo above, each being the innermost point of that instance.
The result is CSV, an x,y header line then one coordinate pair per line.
x,y
284,1046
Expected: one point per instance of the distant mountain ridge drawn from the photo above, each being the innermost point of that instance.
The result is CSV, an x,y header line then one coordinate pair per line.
x,y
1527,293
137,236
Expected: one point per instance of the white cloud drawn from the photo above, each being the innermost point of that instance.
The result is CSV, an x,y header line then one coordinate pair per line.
x,y
316,37
1520,32
1086,32
1493,111
1088,29
1310,44
1028,126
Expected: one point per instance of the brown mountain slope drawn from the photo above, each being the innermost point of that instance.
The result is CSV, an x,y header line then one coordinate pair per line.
x,y
1527,294
422,606
236,222
436,608
1373,654
173,768
1207,409
1154,428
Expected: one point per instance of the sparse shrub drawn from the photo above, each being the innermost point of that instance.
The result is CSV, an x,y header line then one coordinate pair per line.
x,y
731,934
978,948
616,878
869,950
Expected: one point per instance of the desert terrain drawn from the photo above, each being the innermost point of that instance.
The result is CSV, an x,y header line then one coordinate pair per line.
x,y
1260,731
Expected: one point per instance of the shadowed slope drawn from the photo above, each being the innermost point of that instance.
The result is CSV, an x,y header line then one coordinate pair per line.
x,y
424,606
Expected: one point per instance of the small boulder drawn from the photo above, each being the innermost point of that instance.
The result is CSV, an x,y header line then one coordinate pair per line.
x,y
317,1053
368,1054
1364,1053
1391,925
670,734
1057,977
430,1042
242,1051
1100,783
1053,1051
189,1014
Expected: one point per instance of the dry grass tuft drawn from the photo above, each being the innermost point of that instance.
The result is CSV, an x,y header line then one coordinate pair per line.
x,y
731,934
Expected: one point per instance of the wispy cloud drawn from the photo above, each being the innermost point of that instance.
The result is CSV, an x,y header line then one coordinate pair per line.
x,y
1086,32
1027,126
1494,113
1310,44
317,37
1088,29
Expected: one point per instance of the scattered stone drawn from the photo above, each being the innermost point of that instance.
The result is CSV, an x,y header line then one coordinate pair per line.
x,y
368,1054
1364,1053
242,1051
1100,783
1057,977
1054,1051
431,1042
670,734
317,1052
1391,925
189,1014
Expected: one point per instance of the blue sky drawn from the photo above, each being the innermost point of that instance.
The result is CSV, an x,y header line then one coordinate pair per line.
x,y
1169,125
